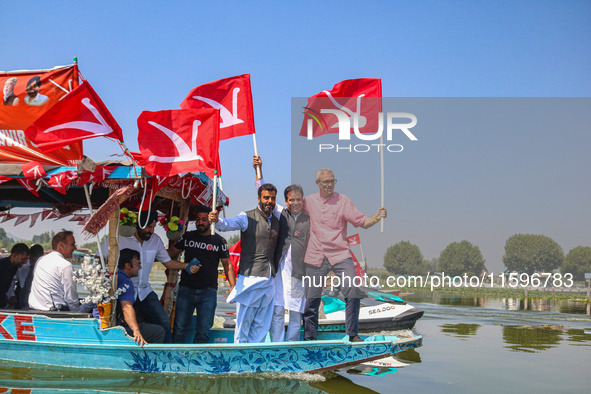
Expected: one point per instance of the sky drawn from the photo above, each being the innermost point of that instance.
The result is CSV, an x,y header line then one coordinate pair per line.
x,y
480,186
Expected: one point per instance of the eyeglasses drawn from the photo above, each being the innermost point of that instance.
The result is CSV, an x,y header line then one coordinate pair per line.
x,y
328,182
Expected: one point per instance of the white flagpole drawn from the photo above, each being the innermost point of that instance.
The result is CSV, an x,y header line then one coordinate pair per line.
x,y
362,255
382,178
222,189
214,200
256,153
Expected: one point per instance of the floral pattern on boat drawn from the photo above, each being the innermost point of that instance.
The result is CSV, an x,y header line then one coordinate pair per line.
x,y
237,360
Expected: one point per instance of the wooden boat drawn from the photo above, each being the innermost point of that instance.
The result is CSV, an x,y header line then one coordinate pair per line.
x,y
74,340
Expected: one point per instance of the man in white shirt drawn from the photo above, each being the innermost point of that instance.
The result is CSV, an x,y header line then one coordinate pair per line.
x,y
53,286
151,249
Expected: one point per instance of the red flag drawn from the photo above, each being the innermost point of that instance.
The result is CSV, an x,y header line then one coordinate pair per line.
x,y
354,240
33,170
29,184
235,256
358,270
98,176
60,181
233,97
80,115
4,179
179,141
359,100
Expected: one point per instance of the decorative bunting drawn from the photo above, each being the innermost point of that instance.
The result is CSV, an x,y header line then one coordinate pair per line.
x,y
34,217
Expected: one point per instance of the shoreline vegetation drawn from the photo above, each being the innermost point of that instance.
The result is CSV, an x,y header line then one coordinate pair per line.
x,y
576,293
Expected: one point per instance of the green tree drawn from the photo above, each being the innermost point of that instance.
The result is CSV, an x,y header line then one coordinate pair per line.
x,y
5,241
461,257
530,253
44,239
577,262
233,239
405,258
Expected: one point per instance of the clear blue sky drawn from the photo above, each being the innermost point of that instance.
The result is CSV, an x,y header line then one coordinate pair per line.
x,y
147,55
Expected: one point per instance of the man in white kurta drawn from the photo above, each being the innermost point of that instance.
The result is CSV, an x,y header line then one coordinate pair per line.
x,y
53,282
289,289
254,292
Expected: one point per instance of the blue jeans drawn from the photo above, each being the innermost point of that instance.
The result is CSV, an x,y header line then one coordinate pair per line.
x,y
188,300
151,310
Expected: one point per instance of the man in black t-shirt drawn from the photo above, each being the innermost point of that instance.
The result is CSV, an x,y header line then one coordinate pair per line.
x,y
199,290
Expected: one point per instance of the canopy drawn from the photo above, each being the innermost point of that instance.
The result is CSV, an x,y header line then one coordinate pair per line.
x,y
102,177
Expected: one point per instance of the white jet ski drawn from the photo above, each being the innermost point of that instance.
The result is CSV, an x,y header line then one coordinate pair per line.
x,y
379,311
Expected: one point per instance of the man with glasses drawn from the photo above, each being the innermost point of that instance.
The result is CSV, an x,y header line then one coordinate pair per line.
x,y
328,250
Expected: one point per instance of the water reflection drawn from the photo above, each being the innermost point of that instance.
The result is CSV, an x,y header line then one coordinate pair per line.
x,y
339,384
387,365
460,330
410,356
23,378
512,304
531,339
578,336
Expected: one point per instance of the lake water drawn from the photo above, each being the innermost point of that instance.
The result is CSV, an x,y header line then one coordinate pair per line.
x,y
470,345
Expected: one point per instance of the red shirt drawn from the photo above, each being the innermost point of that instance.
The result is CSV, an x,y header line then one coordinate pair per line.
x,y
328,227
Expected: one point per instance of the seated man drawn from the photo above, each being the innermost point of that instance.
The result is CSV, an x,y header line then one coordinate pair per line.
x,y
151,249
129,265
53,286
8,269
199,291
23,296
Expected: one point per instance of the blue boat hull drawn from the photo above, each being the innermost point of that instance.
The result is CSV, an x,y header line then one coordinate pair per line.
x,y
79,343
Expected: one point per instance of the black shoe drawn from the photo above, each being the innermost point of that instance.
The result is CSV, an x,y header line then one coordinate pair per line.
x,y
355,339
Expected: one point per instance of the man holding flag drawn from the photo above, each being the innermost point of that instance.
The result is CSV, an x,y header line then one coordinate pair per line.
x,y
254,292
328,250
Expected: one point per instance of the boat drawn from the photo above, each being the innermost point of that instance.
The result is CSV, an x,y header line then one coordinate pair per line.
x,y
74,340
379,311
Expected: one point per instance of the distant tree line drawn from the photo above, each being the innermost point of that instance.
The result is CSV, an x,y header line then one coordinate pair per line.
x,y
524,253
5,241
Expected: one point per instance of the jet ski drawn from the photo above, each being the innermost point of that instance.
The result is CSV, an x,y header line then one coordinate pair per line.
x,y
379,311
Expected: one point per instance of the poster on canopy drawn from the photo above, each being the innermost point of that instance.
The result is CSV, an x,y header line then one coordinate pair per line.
x,y
26,95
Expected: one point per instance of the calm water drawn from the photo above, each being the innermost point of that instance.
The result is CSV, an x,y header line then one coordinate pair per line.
x,y
470,345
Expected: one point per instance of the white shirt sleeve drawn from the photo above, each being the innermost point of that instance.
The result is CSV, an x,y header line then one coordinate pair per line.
x,y
70,291
161,253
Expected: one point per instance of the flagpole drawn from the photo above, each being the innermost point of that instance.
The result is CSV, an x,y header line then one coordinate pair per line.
x,y
222,189
98,240
256,153
214,199
381,179
362,255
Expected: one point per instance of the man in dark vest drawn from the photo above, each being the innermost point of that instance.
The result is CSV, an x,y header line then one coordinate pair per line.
x,y
254,291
